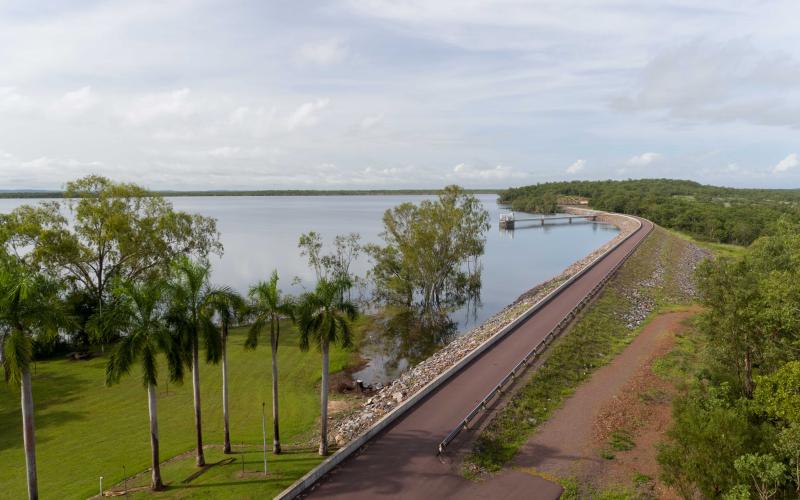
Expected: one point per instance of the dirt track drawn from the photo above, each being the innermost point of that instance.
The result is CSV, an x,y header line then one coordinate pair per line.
x,y
567,444
402,463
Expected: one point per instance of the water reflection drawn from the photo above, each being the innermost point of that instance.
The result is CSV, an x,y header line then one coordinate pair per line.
x,y
402,337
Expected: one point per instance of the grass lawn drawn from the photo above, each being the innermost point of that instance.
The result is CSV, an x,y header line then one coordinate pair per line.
x,y
85,430
226,476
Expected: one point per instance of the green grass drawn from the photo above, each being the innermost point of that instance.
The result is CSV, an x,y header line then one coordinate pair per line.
x,y
85,430
226,476
591,342
621,440
718,249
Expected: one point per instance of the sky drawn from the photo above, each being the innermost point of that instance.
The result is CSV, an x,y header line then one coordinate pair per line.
x,y
278,94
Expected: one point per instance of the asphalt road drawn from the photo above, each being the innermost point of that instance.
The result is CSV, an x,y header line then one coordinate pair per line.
x,y
401,462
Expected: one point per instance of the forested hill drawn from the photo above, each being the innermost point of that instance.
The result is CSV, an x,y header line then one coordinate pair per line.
x,y
720,214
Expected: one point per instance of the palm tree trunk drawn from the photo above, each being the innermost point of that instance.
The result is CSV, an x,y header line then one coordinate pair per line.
x,y
323,432
28,434
155,478
201,459
276,439
226,448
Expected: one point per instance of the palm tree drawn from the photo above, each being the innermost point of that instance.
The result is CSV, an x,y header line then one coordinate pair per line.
x,y
189,316
267,307
228,307
323,317
139,316
29,307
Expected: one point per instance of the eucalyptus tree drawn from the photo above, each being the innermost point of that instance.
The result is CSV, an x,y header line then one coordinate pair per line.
x,y
228,308
324,317
431,252
267,307
140,319
105,231
190,318
30,307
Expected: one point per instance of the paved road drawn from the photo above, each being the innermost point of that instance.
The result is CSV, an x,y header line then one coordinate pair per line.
x,y
401,462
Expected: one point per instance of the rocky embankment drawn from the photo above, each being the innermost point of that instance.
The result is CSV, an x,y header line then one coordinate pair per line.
x,y
347,427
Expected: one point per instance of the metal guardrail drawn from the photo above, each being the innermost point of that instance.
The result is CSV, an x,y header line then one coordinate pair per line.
x,y
538,349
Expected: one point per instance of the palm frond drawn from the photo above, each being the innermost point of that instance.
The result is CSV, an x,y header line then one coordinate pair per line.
x,y
18,356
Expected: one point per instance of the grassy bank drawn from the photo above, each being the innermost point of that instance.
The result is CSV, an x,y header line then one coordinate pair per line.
x,y
86,430
718,249
596,337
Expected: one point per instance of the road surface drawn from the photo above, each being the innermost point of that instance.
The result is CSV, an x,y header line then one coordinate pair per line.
x,y
401,462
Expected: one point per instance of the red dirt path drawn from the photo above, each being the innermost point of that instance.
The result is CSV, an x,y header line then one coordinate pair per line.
x,y
569,444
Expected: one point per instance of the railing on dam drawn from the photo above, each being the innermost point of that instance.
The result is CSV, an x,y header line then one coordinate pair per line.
x,y
532,355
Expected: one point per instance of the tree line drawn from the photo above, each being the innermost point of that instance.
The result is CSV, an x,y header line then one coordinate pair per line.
x,y
114,265
718,214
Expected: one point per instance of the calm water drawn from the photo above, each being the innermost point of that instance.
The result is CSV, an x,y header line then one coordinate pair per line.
x,y
260,234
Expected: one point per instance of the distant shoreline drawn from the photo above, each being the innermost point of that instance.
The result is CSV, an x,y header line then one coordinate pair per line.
x,y
274,192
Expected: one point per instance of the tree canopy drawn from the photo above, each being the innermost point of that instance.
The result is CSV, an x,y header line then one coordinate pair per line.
x,y
106,230
431,251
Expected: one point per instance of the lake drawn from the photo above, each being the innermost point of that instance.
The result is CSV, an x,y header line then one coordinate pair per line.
x,y
260,234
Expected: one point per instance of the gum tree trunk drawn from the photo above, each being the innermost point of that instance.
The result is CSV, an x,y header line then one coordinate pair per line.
x,y
748,375
226,448
276,440
201,459
28,434
323,432
155,477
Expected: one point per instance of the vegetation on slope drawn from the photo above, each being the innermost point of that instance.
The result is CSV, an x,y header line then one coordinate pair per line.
x,y
736,429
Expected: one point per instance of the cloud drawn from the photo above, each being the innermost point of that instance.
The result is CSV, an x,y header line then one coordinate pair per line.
x,y
576,167
323,53
307,114
13,101
644,159
719,82
152,106
371,121
497,173
787,163
75,102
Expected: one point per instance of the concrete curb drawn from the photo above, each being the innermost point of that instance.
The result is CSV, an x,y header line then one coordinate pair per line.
x,y
350,448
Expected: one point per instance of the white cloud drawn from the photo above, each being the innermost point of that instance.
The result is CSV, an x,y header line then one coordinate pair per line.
x,y
462,171
371,121
75,102
152,106
787,163
13,101
576,167
323,53
719,82
644,159
307,114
